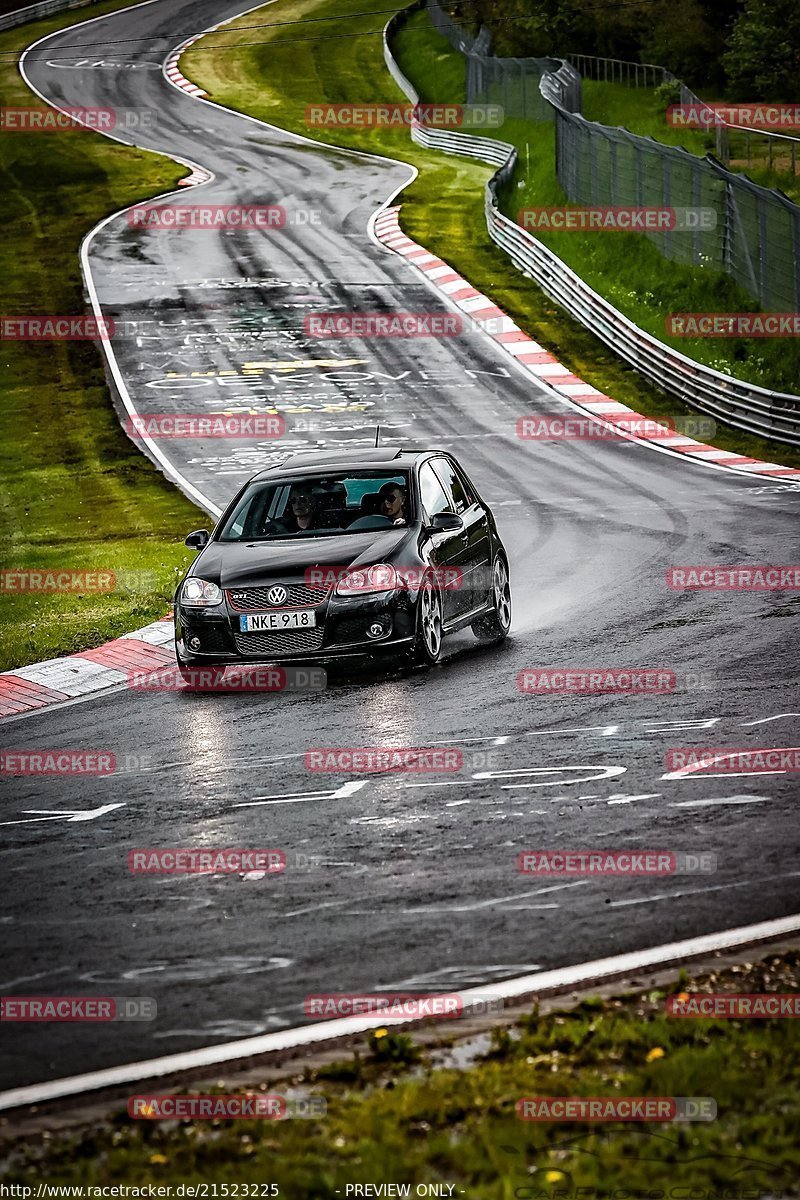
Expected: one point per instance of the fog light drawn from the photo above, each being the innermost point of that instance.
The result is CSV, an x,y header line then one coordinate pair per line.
x,y
194,643
376,630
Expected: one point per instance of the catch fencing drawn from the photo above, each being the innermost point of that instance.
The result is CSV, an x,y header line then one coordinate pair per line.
x,y
750,232
744,405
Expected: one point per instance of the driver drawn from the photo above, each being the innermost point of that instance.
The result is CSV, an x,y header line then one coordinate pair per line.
x,y
300,512
392,503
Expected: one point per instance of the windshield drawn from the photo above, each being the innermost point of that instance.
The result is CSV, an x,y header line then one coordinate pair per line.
x,y
347,502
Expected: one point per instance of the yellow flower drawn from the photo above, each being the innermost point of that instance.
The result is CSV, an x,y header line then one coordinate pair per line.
x,y
158,1160
379,1033
655,1053
553,1176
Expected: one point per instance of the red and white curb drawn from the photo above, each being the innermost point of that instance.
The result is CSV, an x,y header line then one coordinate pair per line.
x,y
546,369
77,675
174,74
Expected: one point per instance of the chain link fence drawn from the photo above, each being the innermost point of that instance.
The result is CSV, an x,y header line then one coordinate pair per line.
x,y
737,402
747,231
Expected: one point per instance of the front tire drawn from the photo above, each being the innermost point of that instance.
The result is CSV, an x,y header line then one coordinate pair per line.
x,y
493,629
427,649
196,678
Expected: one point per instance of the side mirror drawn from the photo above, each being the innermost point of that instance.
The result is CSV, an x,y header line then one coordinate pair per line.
x,y
198,539
446,522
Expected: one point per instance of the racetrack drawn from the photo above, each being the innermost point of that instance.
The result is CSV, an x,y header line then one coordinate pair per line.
x,y
415,884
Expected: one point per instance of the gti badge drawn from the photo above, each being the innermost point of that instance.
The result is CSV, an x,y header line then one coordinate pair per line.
x,y
277,595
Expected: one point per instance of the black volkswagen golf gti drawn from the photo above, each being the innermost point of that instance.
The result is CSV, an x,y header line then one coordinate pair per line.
x,y
338,555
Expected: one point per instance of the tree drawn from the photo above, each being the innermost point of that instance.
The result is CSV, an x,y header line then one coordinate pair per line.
x,y
762,61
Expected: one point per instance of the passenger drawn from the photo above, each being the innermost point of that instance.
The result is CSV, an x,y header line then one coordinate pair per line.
x,y
393,503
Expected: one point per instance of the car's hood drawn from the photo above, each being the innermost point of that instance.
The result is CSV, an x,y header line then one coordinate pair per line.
x,y
239,564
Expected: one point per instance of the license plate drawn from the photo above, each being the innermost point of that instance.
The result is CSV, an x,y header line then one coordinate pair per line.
x,y
301,618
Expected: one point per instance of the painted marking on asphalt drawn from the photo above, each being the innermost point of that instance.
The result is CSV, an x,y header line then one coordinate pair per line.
x,y
765,720
69,815
621,798
699,769
671,726
562,979
606,772
717,887
340,793
454,908
710,803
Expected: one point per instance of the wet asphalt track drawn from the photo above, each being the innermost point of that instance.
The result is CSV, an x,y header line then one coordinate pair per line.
x,y
409,883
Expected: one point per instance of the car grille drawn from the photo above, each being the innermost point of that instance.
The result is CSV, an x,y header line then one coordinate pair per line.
x,y
286,641
299,595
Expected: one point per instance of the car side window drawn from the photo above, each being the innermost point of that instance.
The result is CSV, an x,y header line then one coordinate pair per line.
x,y
434,498
452,484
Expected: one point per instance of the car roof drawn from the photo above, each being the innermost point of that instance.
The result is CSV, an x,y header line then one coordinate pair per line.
x,y
321,461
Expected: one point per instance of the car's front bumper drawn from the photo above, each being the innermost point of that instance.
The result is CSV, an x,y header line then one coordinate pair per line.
x,y
212,635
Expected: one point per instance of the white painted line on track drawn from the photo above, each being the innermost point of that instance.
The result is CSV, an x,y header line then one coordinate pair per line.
x,y
170,470
562,979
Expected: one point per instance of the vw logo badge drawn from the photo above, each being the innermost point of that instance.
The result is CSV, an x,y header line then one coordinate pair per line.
x,y
277,595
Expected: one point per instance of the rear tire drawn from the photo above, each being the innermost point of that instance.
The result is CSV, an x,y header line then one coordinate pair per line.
x,y
493,629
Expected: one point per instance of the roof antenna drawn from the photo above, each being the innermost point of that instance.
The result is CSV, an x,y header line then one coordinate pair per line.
x,y
377,435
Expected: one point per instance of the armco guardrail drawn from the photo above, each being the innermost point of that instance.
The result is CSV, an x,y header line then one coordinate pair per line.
x,y
45,8
746,406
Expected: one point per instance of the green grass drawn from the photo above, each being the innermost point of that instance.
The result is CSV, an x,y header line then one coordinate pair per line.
x,y
397,1114
76,493
626,269
443,208
639,110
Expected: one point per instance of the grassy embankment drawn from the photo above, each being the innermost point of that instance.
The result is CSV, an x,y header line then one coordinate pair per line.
x,y
401,1113
76,495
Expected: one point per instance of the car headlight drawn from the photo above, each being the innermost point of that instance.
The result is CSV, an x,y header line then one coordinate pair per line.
x,y
379,578
200,593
